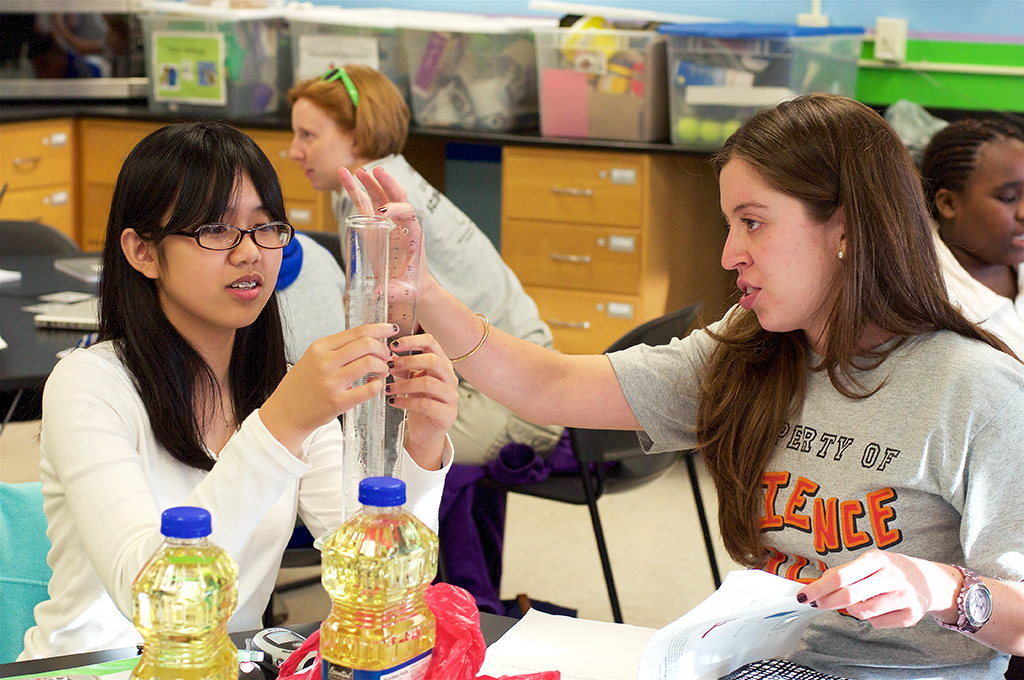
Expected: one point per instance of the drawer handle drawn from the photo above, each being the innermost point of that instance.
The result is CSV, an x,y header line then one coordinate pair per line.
x,y
569,191
580,259
33,160
569,324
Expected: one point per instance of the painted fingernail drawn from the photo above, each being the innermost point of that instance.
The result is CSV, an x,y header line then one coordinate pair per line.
x,y
387,388
394,343
391,364
391,400
382,209
801,598
394,327
814,605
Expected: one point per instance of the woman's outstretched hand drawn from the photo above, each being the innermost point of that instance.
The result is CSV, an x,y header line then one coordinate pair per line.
x,y
425,386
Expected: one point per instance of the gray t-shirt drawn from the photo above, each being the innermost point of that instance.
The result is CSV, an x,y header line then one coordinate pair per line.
x,y
313,306
929,466
461,257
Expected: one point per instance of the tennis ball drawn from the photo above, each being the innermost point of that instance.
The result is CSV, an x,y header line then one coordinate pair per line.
x,y
730,126
710,131
687,128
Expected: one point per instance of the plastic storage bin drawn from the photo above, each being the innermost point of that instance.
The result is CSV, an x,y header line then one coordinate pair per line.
x,y
216,61
602,83
472,72
326,37
720,74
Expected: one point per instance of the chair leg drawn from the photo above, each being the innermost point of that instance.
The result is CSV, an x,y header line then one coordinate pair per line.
x,y
691,469
602,548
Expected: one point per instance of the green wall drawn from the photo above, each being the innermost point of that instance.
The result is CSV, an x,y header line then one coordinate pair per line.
x,y
945,90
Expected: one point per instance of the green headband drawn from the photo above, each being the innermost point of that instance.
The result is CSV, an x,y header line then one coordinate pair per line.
x,y
339,74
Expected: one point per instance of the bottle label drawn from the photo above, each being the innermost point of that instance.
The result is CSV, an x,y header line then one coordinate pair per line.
x,y
413,669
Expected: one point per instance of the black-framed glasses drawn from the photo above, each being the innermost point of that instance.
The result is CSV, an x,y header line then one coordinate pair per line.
x,y
339,74
272,235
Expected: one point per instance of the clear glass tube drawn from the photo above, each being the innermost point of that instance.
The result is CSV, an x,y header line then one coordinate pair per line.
x,y
366,289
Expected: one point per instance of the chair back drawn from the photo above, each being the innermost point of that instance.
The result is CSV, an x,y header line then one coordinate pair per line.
x,y
24,573
597,446
19,238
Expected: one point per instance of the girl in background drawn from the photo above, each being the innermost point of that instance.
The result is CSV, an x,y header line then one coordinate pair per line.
x,y
973,172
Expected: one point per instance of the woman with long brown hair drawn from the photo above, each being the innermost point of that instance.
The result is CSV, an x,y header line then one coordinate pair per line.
x,y
862,434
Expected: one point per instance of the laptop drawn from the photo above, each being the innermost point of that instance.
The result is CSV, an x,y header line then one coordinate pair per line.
x,y
83,316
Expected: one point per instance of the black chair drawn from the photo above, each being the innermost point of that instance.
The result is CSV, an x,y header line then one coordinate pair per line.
x,y
594,448
329,240
34,238
24,238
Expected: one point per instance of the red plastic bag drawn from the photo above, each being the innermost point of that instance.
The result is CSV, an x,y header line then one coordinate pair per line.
x,y
287,671
459,647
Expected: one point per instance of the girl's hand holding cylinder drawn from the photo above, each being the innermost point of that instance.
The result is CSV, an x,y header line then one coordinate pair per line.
x,y
319,386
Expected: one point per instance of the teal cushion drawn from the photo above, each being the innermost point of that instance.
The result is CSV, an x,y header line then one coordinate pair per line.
x,y
24,573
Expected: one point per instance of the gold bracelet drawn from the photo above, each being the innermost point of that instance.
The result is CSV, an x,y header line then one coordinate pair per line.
x,y
487,329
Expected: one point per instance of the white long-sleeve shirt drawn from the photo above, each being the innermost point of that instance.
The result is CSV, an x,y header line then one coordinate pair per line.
x,y
998,314
106,482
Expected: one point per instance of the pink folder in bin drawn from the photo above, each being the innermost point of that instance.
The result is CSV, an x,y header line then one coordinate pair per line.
x,y
563,97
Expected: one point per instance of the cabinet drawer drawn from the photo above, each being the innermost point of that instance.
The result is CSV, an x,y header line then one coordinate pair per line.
x,y
49,205
36,154
105,144
584,322
583,258
294,184
574,187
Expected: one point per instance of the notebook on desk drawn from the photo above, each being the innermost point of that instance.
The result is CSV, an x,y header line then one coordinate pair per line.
x,y
85,268
83,316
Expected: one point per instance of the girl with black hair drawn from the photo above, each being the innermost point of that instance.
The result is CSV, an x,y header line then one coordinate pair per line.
x,y
187,399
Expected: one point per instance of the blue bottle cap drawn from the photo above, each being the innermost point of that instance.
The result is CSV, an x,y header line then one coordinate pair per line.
x,y
185,522
382,492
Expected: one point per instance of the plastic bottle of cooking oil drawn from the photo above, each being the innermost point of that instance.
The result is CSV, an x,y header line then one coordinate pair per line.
x,y
376,569
183,599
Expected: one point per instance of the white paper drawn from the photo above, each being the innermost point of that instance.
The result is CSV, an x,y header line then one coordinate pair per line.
x,y
578,648
753,615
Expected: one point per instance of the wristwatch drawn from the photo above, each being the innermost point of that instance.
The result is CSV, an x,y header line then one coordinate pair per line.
x,y
974,604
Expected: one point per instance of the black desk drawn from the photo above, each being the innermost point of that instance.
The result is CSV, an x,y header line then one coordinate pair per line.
x,y
31,352
492,626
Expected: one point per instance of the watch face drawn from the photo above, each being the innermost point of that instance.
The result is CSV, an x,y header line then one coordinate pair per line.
x,y
978,605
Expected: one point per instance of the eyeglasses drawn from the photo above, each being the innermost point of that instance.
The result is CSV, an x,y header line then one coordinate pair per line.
x,y
339,74
272,235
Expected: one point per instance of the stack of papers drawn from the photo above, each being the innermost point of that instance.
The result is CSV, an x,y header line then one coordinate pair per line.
x,y
753,615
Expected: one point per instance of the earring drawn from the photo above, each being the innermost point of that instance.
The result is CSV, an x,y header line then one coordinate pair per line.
x,y
841,254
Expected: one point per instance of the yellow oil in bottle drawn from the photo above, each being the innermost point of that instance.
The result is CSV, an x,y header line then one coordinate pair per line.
x,y
183,599
376,569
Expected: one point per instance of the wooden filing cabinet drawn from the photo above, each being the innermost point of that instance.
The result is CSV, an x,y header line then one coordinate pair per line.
x,y
307,208
604,241
37,167
104,144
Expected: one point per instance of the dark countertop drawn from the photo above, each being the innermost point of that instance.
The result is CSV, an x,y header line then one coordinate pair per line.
x,y
18,111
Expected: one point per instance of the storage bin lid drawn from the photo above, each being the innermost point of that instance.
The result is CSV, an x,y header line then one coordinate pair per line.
x,y
375,17
454,22
210,12
740,30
